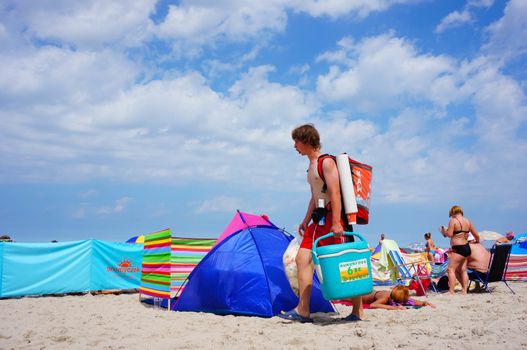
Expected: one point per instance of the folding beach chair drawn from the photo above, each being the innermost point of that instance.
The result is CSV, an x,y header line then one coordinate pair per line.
x,y
438,271
499,259
412,271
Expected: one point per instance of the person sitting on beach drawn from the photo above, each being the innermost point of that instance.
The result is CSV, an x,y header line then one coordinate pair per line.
x,y
479,255
396,299
430,247
381,239
458,229
478,260
506,239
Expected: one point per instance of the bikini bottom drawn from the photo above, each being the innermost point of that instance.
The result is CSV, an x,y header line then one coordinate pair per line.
x,y
463,249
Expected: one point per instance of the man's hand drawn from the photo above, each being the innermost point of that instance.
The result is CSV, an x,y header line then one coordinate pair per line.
x,y
302,228
337,229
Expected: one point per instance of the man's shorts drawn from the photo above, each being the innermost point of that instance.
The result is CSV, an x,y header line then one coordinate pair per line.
x,y
314,231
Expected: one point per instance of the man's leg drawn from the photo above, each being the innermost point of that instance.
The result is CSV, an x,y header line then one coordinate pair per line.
x,y
357,307
305,280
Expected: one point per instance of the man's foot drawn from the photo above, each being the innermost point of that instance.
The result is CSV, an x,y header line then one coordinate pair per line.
x,y
352,318
292,315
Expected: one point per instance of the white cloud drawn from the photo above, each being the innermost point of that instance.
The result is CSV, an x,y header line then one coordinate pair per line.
x,y
424,152
480,3
500,105
176,130
299,69
231,20
52,76
3,32
221,204
87,24
118,207
454,19
76,115
180,130
457,18
87,193
192,24
337,8
507,35
79,213
389,68
215,67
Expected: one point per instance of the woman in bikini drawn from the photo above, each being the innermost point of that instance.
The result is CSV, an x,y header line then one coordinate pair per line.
x,y
396,299
430,247
458,229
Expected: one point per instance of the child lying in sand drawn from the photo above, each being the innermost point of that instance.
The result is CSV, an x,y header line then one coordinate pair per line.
x,y
396,299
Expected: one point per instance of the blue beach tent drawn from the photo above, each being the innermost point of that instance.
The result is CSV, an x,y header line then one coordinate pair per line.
x,y
521,248
244,275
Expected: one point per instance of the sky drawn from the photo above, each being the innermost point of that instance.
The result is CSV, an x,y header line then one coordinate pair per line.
x,y
120,118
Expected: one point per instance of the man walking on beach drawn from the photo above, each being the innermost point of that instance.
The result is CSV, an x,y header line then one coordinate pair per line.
x,y
307,143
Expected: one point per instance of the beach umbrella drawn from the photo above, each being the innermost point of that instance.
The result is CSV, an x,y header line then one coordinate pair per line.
x,y
489,235
137,239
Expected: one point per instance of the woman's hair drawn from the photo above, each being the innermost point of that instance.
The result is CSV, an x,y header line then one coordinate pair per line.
x,y
307,134
456,209
400,294
428,235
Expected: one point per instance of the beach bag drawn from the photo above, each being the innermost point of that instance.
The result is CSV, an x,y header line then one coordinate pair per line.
x,y
442,284
362,177
290,267
425,281
418,290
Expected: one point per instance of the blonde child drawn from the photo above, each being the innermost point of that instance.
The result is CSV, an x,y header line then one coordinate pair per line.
x,y
396,299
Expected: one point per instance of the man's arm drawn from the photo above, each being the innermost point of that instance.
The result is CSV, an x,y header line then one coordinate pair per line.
x,y
329,167
474,232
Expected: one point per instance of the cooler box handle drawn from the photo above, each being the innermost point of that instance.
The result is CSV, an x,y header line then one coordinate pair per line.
x,y
314,249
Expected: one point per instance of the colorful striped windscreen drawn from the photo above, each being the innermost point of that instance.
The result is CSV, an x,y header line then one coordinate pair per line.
x,y
186,254
155,278
517,268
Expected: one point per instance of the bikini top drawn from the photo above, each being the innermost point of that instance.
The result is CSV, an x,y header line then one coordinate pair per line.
x,y
460,231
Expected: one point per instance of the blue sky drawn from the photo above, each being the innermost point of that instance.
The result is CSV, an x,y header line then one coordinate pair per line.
x,y
120,118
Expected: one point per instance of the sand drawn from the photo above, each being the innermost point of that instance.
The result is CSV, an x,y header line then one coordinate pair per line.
x,y
474,321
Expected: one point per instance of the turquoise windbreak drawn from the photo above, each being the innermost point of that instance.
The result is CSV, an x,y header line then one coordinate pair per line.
x,y
67,267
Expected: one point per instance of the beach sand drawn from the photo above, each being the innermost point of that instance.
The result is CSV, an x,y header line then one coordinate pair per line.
x,y
474,321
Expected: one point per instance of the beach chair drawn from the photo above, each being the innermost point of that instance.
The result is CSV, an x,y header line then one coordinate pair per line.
x,y
499,259
409,271
437,271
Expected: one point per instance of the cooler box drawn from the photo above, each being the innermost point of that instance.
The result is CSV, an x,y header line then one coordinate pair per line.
x,y
344,270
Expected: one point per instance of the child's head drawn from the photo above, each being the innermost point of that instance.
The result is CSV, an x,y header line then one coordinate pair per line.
x,y
428,235
400,294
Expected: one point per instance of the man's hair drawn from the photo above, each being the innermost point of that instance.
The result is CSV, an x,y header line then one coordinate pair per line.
x,y
307,134
400,294
456,209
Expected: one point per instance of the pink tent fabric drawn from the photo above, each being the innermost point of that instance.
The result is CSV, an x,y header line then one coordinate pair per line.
x,y
242,221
